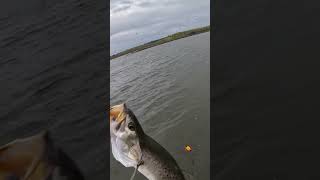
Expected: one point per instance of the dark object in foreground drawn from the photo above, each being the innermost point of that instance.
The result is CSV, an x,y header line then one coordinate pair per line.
x,y
133,148
36,158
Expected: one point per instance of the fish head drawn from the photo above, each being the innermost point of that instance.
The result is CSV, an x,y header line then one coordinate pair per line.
x,y
125,133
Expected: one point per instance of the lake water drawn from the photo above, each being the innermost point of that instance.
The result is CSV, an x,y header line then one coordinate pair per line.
x,y
168,89
53,76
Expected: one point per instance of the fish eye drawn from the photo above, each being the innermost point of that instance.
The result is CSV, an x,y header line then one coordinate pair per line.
x,y
131,126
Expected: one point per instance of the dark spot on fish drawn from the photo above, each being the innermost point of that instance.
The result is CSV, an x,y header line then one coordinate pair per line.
x,y
118,126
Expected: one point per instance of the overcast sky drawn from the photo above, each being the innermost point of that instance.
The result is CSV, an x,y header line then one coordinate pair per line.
x,y
135,22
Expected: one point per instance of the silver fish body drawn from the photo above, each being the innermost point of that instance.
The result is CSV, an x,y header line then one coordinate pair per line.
x,y
132,147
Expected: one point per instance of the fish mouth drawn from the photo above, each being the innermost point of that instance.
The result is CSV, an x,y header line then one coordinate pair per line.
x,y
118,113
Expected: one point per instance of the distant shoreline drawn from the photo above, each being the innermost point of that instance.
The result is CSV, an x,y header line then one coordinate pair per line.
x,y
169,38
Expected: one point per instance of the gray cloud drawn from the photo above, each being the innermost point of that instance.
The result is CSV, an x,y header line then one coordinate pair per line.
x,y
134,22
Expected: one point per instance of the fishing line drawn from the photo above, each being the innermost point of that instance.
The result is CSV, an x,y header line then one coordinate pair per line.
x,y
136,168
134,173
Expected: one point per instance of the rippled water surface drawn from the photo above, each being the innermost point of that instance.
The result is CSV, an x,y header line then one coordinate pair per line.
x,y
168,88
52,65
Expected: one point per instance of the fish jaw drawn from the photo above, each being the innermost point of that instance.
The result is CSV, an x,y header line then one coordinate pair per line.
x,y
118,113
122,153
125,148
